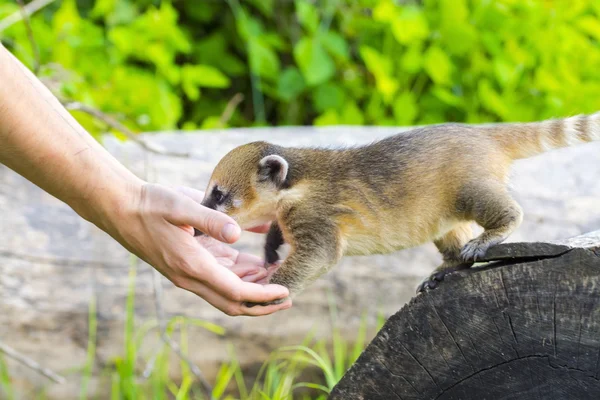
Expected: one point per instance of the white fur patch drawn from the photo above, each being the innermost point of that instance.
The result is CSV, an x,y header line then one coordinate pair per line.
x,y
237,203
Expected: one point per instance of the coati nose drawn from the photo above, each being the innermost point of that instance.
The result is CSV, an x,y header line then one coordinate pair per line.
x,y
209,203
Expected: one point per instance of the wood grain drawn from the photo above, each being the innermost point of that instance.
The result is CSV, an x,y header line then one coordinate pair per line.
x,y
527,327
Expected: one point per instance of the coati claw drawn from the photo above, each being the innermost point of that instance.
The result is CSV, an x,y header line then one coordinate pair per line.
x,y
435,278
474,250
432,281
274,302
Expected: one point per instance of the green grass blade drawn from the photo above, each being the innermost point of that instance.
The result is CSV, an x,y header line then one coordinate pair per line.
x,y
359,344
184,389
5,383
311,386
324,365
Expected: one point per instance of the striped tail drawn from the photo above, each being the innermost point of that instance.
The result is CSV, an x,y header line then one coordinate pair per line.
x,y
530,139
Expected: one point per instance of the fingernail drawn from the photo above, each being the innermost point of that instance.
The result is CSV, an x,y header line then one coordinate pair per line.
x,y
231,232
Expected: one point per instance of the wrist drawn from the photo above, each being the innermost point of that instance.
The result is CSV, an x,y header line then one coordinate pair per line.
x,y
112,199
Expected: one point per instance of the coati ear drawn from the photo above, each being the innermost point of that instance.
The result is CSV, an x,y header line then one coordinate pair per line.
x,y
273,168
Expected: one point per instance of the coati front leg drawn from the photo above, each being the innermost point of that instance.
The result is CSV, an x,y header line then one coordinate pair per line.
x,y
315,248
273,242
450,246
490,205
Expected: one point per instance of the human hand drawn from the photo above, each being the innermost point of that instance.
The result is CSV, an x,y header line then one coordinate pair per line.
x,y
158,229
57,154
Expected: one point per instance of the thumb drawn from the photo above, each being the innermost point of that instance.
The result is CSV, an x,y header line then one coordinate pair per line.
x,y
214,223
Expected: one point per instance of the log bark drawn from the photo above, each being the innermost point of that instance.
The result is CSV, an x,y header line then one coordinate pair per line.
x,y
524,325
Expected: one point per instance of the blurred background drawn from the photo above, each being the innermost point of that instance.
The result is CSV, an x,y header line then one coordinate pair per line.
x,y
165,65
176,77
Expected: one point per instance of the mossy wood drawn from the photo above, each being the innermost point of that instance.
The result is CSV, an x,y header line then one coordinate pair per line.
x,y
523,325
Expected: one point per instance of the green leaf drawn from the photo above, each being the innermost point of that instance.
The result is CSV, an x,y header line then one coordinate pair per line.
x,y
458,35
290,84
307,15
213,122
328,96
491,99
376,63
381,67
329,117
103,8
412,59
405,108
315,64
447,96
263,60
213,50
385,11
351,114
205,76
336,45
375,108
590,25
200,12
411,26
264,6
506,73
247,26
438,65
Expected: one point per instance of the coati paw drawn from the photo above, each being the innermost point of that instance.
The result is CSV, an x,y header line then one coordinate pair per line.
x,y
198,233
474,250
438,276
271,256
278,301
432,281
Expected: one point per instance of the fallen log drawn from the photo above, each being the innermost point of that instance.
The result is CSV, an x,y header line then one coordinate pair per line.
x,y
525,324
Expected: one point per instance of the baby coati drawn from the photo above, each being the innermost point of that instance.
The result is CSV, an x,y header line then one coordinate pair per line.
x,y
427,184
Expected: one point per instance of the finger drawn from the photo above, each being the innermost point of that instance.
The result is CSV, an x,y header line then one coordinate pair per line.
x,y
249,272
230,307
196,195
257,277
189,229
232,288
245,258
216,224
228,284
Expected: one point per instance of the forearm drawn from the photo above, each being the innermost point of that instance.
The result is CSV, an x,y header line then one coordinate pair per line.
x,y
40,140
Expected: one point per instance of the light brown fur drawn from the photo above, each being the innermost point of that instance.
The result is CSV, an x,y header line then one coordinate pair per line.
x,y
424,185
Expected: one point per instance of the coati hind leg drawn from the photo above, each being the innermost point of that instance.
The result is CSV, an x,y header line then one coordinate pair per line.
x,y
449,246
315,248
495,211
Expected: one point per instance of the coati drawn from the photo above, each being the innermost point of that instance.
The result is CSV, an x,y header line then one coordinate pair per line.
x,y
426,184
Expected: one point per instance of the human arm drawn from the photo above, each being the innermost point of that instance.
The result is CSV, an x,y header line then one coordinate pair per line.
x,y
41,141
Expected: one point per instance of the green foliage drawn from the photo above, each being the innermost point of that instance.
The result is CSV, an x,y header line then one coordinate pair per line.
x,y
169,64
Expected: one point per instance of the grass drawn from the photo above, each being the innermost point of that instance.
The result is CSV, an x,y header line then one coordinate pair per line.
x,y
306,371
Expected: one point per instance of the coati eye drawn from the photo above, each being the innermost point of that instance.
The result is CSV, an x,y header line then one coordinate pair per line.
x,y
218,196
